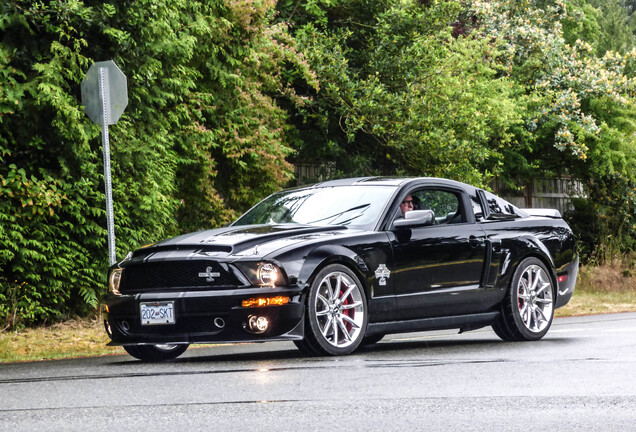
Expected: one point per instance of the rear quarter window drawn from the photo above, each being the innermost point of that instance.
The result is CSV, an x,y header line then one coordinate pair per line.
x,y
496,205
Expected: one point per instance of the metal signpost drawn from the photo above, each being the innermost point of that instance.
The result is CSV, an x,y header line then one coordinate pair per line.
x,y
105,96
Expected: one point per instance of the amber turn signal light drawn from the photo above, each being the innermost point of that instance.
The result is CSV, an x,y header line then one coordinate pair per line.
x,y
265,301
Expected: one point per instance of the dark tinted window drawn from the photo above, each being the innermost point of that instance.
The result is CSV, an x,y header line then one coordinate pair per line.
x,y
498,205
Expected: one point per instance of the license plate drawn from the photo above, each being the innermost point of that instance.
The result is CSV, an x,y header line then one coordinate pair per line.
x,y
157,313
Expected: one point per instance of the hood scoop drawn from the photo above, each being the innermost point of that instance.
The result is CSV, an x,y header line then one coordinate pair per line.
x,y
199,248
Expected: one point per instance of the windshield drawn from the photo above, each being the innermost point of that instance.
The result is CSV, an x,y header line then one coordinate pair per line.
x,y
338,205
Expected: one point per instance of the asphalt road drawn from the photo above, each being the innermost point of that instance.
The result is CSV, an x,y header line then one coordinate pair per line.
x,y
581,376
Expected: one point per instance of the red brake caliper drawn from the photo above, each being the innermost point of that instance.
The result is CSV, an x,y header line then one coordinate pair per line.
x,y
519,300
348,312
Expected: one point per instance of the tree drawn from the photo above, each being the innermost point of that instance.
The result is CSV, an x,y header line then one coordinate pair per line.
x,y
401,92
616,29
582,116
203,136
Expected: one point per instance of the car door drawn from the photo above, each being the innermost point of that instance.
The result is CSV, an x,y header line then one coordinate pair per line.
x,y
438,268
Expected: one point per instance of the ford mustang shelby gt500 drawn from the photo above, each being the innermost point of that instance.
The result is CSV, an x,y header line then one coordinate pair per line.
x,y
342,263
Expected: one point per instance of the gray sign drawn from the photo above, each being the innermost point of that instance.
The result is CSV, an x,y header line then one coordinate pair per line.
x,y
112,104
105,96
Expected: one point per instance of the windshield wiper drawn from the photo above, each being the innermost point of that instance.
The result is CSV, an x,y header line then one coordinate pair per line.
x,y
344,222
336,215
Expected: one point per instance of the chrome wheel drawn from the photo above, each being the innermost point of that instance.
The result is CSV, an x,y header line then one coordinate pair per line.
x,y
528,308
534,299
339,309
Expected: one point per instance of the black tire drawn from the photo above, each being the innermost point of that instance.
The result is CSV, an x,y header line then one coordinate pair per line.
x,y
306,348
155,353
370,340
527,310
336,313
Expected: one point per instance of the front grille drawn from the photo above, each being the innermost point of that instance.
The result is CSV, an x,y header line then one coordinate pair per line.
x,y
176,275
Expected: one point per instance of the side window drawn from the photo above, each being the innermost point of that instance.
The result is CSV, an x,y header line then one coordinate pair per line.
x,y
499,206
445,205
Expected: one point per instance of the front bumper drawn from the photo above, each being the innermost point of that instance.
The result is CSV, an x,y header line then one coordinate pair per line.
x,y
205,317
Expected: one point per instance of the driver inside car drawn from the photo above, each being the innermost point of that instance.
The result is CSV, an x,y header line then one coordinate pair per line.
x,y
406,204
409,203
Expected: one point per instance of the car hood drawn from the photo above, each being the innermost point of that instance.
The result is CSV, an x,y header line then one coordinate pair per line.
x,y
242,241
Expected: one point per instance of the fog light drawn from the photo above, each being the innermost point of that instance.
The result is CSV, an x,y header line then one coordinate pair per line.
x,y
257,324
562,278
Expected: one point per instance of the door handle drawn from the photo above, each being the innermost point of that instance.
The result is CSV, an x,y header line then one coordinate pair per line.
x,y
475,241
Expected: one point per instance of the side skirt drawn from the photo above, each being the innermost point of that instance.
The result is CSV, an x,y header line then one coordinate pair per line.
x,y
462,322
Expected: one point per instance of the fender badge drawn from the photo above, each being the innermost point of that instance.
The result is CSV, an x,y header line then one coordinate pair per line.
x,y
382,274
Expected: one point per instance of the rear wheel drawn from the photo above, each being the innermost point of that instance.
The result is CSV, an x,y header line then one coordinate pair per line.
x,y
155,353
336,313
528,308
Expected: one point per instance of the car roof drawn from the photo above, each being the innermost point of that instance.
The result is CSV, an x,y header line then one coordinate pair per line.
x,y
389,181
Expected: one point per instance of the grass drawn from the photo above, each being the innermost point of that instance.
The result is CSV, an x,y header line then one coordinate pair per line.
x,y
74,338
609,288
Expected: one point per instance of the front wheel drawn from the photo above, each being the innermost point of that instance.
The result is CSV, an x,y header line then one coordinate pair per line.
x,y
155,353
373,339
528,308
336,312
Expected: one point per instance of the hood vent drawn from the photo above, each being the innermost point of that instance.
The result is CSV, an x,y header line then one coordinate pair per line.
x,y
171,247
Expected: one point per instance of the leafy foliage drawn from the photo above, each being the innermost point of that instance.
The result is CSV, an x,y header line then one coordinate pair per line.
x,y
392,78
582,104
616,28
202,138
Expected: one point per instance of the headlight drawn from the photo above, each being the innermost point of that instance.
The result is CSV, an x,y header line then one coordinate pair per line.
x,y
113,281
263,274
268,274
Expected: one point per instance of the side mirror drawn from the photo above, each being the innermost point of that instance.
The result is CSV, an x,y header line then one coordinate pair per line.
x,y
414,219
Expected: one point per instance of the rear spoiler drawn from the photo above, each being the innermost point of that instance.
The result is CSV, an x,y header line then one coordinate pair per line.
x,y
545,212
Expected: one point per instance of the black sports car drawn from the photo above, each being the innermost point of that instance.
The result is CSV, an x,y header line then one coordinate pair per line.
x,y
340,264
